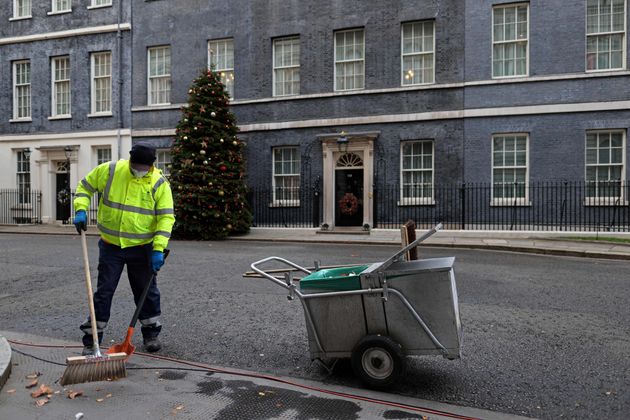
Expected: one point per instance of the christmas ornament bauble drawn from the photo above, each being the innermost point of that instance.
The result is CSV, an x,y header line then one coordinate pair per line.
x,y
217,215
202,152
221,140
229,227
223,168
213,114
185,137
179,187
221,193
205,162
195,128
234,142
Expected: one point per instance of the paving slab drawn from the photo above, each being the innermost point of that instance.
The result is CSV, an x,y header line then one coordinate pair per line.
x,y
167,389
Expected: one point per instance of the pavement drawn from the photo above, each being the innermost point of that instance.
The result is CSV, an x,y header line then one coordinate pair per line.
x,y
165,388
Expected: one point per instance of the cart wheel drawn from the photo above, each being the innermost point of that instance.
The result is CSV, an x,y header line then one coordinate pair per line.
x,y
377,360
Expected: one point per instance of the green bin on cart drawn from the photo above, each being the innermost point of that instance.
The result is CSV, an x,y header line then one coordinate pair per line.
x,y
333,280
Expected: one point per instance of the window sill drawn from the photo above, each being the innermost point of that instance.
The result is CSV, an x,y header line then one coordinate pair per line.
x,y
288,203
416,202
20,120
59,12
99,115
605,202
416,84
59,117
349,90
166,105
520,76
13,19
510,202
605,70
102,6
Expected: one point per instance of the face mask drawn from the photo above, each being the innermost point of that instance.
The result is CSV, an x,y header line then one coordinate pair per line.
x,y
138,174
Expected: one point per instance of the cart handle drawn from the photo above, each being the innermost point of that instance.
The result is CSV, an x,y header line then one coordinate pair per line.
x,y
268,276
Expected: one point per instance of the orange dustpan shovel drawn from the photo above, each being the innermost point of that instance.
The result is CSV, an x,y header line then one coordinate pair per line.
x,y
126,346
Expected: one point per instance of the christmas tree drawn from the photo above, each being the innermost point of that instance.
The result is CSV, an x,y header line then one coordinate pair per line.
x,y
207,172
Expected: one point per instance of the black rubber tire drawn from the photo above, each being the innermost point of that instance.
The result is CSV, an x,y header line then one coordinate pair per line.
x,y
378,361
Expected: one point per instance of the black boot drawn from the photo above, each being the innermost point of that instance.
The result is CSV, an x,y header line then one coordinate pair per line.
x,y
152,344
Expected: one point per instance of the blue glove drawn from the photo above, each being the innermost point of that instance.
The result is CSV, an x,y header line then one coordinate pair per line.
x,y
157,260
80,221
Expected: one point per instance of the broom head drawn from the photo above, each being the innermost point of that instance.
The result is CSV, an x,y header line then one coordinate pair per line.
x,y
82,369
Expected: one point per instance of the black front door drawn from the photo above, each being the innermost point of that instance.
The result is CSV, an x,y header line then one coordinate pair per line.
x,y
349,197
63,197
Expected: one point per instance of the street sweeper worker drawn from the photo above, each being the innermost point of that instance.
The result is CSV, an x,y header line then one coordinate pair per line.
x,y
135,219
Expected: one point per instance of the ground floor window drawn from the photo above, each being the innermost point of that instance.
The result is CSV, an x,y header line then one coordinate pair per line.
x,y
509,168
605,152
23,177
103,154
286,176
163,161
416,172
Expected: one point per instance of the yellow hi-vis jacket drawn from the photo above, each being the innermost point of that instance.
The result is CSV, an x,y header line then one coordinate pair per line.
x,y
131,211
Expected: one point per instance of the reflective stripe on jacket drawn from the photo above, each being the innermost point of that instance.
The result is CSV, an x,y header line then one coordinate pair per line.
x,y
131,211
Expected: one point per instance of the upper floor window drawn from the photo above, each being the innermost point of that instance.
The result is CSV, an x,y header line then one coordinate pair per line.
x,y
605,162
101,88
22,9
59,6
286,176
159,75
418,57
221,60
605,34
22,89
103,154
286,66
61,102
509,168
23,176
350,59
510,33
416,172
163,161
99,3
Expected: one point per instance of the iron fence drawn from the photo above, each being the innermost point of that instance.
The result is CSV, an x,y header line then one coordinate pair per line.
x,y
20,206
542,206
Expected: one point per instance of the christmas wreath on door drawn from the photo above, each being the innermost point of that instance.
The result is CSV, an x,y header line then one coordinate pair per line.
x,y
349,204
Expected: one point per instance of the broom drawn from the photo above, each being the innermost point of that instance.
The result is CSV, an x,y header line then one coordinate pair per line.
x,y
97,367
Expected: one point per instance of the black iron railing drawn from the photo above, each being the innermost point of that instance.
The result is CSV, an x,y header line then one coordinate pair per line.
x,y
20,206
542,206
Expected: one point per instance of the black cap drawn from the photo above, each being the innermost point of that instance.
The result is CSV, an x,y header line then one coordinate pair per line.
x,y
142,153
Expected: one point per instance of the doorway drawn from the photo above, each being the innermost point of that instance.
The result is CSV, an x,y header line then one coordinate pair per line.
x,y
349,191
62,192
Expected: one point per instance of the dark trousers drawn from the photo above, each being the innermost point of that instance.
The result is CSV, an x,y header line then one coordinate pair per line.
x,y
111,261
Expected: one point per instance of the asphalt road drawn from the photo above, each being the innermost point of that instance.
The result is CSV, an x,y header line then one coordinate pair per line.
x,y
545,337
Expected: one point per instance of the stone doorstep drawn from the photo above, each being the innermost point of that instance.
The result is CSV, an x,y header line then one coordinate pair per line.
x,y
5,361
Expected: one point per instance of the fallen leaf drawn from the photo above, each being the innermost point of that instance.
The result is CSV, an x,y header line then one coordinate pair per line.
x,y
33,375
41,402
73,394
31,384
10,391
57,392
100,399
608,392
108,396
262,394
43,390
179,407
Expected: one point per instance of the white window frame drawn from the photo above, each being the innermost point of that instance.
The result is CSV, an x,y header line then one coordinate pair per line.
x,y
281,202
102,154
516,40
17,10
157,78
406,75
608,34
57,83
602,200
289,68
163,161
344,61
510,201
406,200
23,177
107,79
221,61
27,86
96,4
55,9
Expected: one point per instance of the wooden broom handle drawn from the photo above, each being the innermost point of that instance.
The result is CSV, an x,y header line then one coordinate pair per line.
x,y
88,284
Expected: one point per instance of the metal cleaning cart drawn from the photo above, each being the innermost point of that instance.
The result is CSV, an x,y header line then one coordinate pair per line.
x,y
378,313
